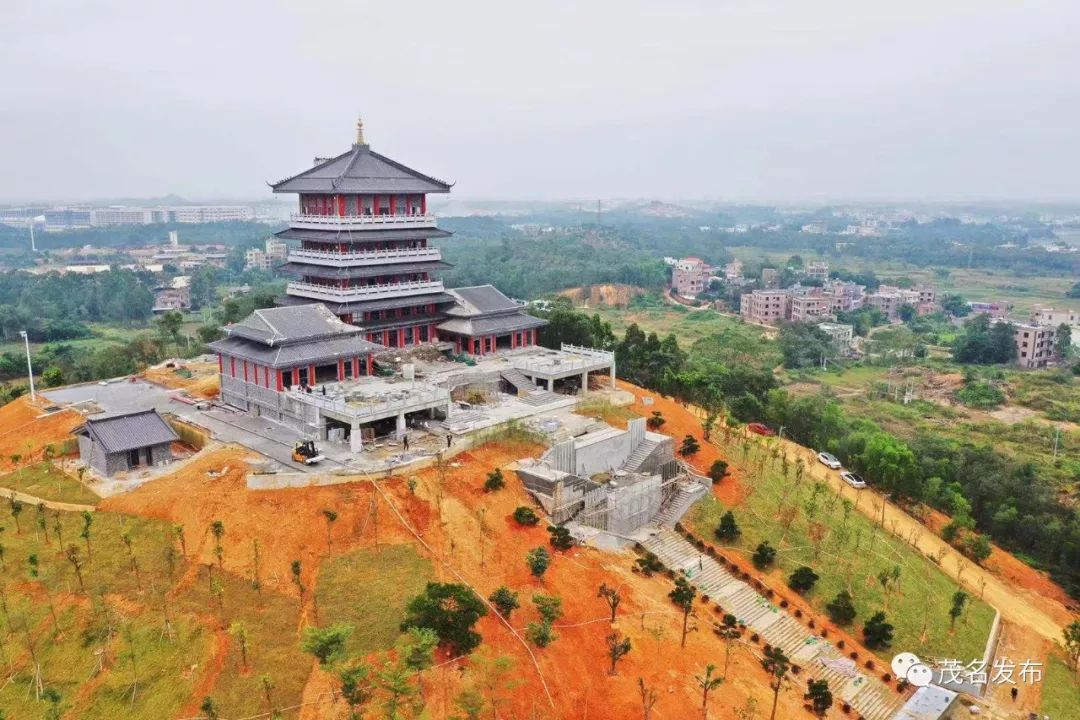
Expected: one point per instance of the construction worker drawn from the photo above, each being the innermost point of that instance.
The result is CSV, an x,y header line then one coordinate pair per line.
x,y
405,442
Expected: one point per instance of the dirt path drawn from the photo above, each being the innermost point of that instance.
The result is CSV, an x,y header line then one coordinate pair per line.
x,y
1045,616
50,504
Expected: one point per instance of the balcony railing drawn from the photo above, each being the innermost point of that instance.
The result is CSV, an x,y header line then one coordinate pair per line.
x,y
301,221
362,292
371,257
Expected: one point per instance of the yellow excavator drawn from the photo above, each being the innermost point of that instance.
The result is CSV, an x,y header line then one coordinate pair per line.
x,y
306,453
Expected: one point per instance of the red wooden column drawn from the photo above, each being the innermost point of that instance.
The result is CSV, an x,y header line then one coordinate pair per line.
x,y
374,204
401,337
393,204
370,365
245,371
279,374
232,367
295,377
356,367
386,338
433,333
423,204
220,365
266,377
513,341
341,369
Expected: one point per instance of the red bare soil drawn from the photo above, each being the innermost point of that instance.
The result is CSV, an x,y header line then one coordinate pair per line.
x,y
25,431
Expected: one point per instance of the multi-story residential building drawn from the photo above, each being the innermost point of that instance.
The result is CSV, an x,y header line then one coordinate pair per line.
x,y
690,277
57,219
276,250
256,259
765,307
993,309
211,213
104,217
733,270
817,271
810,307
174,296
1035,344
1056,318
889,299
770,278
843,336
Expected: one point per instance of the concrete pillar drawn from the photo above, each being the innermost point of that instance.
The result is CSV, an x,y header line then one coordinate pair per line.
x,y
612,375
400,425
551,384
356,443
584,382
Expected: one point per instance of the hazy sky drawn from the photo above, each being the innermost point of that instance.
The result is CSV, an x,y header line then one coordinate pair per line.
x,y
732,100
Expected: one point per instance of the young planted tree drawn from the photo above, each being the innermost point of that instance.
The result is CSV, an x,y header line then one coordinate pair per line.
x,y
525,516
689,447
728,530
655,421
549,608
819,695
876,632
330,517
648,698
718,470
841,609
683,596
256,566
72,555
133,562
612,597
803,579
560,537
326,644
494,481
240,632
505,601
729,631
41,522
618,647
295,568
395,681
451,610
32,565
178,533
266,682
416,651
539,560
708,682
217,529
959,600
209,709
88,520
53,697
777,665
357,687
16,507
764,555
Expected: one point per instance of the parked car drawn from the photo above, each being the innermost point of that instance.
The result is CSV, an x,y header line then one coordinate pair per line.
x,y
853,480
760,429
829,460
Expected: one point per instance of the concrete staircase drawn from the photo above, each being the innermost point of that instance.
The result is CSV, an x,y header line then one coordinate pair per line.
x,y
522,384
640,455
686,494
818,658
539,398
460,419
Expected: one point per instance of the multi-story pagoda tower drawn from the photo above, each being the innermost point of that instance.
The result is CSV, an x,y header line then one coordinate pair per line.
x,y
364,231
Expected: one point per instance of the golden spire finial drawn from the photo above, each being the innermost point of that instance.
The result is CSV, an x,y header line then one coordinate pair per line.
x,y
360,130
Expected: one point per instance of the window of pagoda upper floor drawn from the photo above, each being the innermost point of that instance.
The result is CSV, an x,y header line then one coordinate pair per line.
x,y
353,205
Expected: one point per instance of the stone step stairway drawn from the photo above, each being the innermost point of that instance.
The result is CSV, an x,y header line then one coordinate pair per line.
x,y
640,454
459,419
819,659
685,495
522,384
538,398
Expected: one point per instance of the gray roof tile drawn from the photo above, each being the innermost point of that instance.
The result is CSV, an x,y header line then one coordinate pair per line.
x,y
121,433
361,170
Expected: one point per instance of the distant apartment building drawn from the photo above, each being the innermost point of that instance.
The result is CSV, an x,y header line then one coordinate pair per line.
x,y
815,228
1054,317
1035,344
273,253
57,219
843,336
889,299
733,270
105,217
212,213
770,278
765,307
817,271
993,309
174,296
811,307
690,277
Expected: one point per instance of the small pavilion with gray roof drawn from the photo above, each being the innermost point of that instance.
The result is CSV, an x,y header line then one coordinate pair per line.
x,y
119,443
483,320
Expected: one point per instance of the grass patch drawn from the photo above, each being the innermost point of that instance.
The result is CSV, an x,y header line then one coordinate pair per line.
x,y
1060,691
849,552
119,614
369,589
616,415
48,482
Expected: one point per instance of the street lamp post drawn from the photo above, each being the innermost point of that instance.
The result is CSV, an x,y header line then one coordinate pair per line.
x,y
29,367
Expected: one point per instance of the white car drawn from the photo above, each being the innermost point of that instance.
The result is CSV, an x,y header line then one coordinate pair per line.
x,y
853,480
829,460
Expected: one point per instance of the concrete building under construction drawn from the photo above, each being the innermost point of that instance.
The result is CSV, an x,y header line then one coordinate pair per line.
x,y
613,480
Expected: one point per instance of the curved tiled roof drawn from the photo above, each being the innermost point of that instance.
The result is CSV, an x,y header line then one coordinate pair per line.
x,y
361,170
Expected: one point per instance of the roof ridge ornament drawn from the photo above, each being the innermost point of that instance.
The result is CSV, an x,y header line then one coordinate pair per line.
x,y
360,130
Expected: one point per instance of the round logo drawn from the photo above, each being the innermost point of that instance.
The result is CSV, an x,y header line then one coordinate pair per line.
x,y
920,675
903,662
